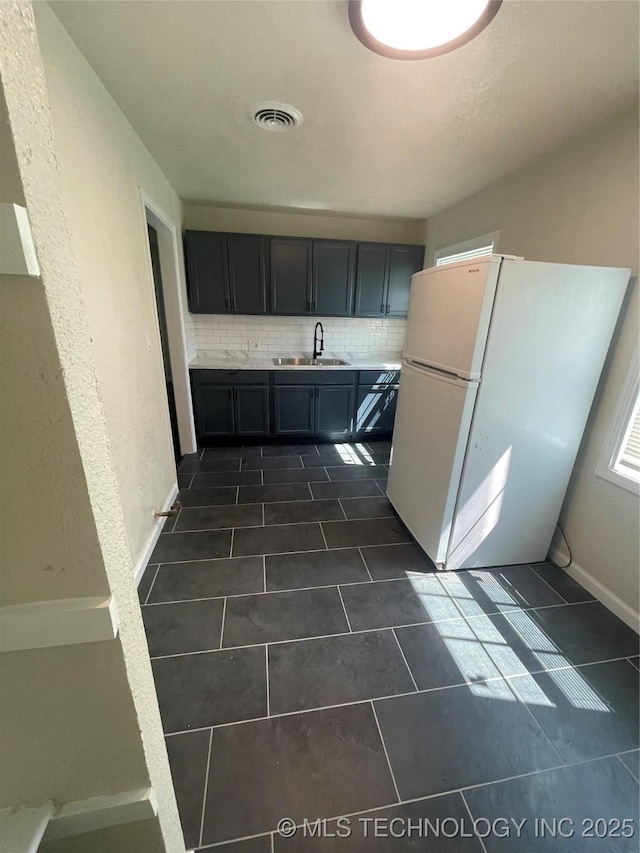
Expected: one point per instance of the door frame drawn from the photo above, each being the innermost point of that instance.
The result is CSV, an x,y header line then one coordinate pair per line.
x,y
173,292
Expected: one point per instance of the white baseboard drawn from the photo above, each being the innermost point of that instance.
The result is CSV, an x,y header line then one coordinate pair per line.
x,y
150,544
610,600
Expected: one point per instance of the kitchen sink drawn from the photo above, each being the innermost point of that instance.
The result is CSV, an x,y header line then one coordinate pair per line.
x,y
311,362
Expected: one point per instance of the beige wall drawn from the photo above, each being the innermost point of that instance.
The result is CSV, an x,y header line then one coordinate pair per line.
x,y
301,224
576,204
103,165
81,720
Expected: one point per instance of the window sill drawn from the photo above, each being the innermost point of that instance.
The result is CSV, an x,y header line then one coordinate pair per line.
x,y
619,480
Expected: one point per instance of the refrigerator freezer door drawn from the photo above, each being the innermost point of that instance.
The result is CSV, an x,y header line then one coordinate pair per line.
x,y
429,442
449,313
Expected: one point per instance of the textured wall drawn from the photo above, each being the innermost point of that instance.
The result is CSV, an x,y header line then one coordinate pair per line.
x,y
577,204
102,165
80,720
299,224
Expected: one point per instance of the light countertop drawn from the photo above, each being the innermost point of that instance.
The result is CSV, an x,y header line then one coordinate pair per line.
x,y
243,360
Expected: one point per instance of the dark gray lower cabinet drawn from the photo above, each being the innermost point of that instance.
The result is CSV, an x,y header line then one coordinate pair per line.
x,y
294,409
376,409
325,410
228,410
214,410
334,410
309,403
251,410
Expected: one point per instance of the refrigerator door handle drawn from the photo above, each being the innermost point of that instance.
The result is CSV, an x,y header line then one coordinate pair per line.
x,y
437,373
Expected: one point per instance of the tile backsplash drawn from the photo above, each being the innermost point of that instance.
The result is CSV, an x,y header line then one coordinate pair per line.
x,y
212,333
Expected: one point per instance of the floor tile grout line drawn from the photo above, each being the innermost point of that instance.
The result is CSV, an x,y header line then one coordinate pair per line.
x,y
346,615
358,583
264,573
514,690
291,523
152,583
630,772
206,784
233,532
313,551
323,536
224,613
262,509
365,563
342,509
266,663
429,796
384,746
362,701
555,591
237,495
466,805
415,684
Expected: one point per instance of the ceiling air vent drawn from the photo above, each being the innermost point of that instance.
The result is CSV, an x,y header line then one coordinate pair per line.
x,y
278,117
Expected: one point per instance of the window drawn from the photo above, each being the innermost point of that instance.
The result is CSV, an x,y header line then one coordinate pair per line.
x,y
620,460
466,251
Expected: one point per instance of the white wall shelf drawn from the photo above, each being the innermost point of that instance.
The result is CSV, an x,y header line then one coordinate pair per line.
x,y
17,251
64,622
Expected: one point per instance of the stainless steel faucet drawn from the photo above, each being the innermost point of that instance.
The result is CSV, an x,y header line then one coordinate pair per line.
x,y
316,341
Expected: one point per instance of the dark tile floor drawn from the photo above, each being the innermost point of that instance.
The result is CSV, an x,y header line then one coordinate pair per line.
x,y
310,663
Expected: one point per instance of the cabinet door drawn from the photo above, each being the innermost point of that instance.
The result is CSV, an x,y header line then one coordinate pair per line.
x,y
333,275
371,409
371,280
247,273
290,276
214,410
334,410
404,261
252,409
207,272
390,408
294,410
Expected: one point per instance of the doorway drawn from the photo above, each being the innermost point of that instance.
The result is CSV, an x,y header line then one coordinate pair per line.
x,y
154,251
165,267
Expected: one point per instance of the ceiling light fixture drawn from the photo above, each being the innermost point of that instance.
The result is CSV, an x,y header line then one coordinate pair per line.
x,y
418,29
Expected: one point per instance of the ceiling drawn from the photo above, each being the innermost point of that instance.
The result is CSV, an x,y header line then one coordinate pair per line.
x,y
380,137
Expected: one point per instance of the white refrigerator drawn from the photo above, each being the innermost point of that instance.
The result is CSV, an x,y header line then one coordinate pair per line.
x,y
501,362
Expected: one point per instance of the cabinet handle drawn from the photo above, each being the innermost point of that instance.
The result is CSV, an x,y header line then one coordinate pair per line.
x,y
388,308
382,307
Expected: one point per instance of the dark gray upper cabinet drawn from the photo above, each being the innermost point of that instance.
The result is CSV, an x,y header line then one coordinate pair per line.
x,y
333,278
253,274
404,261
371,280
290,275
247,273
226,273
207,272
383,279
